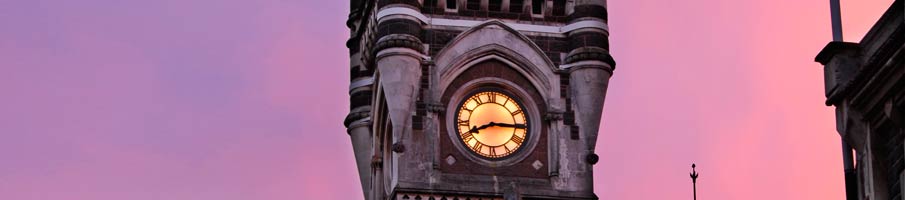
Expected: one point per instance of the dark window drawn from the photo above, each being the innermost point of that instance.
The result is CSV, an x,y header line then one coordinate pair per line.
x,y
495,5
537,6
430,3
473,5
450,4
559,7
516,6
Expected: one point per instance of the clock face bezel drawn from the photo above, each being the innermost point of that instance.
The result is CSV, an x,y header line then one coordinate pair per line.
x,y
525,100
519,103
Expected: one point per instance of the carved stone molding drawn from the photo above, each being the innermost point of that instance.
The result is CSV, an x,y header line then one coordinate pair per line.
x,y
553,116
399,40
435,108
412,196
591,53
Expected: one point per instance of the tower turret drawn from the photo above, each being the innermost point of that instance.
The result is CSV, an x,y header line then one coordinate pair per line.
x,y
480,99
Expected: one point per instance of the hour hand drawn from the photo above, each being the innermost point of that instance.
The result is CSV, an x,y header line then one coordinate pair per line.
x,y
475,129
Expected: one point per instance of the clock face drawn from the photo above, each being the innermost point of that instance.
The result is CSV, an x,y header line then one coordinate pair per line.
x,y
491,124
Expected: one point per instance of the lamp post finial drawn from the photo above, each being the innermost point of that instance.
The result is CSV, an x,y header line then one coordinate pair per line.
x,y
694,180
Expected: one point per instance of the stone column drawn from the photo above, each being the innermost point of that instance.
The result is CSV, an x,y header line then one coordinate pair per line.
x,y
588,81
589,67
399,54
360,133
398,58
357,122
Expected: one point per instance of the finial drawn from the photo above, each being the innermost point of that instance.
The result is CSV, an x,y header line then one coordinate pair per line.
x,y
693,174
694,180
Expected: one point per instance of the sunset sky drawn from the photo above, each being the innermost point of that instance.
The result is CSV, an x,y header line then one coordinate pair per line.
x,y
235,100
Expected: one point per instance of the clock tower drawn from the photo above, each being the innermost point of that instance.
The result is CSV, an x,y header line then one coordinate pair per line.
x,y
477,99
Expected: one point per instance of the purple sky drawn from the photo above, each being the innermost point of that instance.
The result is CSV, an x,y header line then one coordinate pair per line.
x,y
203,99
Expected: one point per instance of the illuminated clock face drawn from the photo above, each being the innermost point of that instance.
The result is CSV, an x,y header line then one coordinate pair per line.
x,y
491,124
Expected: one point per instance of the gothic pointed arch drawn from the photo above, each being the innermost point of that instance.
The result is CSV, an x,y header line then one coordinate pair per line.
x,y
494,39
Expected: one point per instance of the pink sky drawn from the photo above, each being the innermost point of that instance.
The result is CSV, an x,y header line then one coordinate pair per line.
x,y
207,99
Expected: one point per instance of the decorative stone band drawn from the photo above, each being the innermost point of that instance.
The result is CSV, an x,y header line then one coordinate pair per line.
x,y
399,40
553,116
412,196
354,119
589,10
591,53
360,98
407,3
435,108
353,44
560,31
405,26
571,67
354,16
588,39
362,82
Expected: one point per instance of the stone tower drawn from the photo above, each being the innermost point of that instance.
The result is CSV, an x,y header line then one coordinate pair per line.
x,y
478,99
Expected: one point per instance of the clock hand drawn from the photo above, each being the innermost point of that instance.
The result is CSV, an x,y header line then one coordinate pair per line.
x,y
475,129
510,125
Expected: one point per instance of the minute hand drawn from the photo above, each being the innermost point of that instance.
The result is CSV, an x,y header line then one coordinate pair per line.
x,y
510,125
488,125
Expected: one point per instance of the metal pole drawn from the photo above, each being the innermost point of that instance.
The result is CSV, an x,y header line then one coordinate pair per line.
x,y
694,182
836,17
851,190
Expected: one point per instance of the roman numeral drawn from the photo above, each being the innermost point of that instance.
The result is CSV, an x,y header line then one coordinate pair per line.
x,y
517,139
477,147
467,136
516,112
463,122
491,97
477,99
492,152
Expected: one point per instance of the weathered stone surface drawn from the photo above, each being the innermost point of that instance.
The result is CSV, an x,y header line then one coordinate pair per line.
x,y
589,84
413,65
399,73
361,145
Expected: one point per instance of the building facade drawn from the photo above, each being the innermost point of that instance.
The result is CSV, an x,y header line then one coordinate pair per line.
x,y
477,99
865,82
